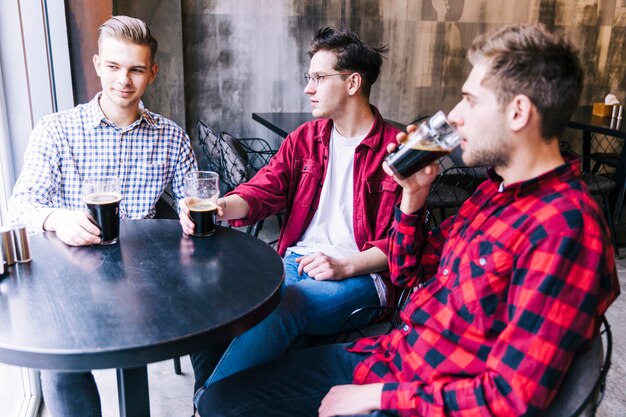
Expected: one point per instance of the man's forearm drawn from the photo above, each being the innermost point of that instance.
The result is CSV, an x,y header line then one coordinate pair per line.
x,y
234,207
367,262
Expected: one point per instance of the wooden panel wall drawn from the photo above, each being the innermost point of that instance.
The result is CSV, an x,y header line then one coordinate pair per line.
x,y
229,58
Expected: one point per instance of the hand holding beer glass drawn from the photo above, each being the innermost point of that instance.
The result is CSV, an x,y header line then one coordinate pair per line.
x,y
201,194
432,139
102,198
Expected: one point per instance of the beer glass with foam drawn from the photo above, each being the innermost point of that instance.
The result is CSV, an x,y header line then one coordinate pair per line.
x,y
102,197
201,193
432,139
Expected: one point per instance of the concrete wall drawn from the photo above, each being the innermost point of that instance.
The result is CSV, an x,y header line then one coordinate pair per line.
x,y
221,60
84,17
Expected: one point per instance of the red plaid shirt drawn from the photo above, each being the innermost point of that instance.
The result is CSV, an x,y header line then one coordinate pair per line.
x,y
508,290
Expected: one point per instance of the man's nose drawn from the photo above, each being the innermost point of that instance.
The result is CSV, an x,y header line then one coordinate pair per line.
x,y
310,87
124,77
454,117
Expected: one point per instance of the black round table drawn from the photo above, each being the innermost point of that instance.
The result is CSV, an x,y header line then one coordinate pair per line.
x,y
156,295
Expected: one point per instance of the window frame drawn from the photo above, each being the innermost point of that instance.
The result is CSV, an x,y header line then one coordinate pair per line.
x,y
35,80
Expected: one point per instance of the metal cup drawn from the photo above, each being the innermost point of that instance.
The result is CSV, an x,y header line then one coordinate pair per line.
x,y
22,245
8,245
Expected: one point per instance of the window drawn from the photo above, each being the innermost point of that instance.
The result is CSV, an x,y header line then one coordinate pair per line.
x,y
34,80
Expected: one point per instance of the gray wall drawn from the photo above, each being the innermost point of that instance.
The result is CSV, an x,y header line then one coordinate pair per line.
x,y
221,60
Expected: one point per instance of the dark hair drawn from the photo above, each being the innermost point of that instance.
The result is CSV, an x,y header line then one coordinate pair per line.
x,y
529,60
352,54
129,29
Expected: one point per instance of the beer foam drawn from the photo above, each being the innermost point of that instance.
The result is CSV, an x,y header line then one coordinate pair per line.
x,y
106,197
201,205
431,147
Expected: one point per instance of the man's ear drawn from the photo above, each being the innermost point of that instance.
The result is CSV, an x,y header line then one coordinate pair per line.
x,y
96,64
519,112
354,83
153,72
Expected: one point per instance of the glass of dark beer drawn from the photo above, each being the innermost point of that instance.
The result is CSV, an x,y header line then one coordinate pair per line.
x,y
432,140
201,193
102,197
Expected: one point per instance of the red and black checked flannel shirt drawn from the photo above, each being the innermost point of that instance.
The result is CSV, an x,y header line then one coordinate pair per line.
x,y
508,290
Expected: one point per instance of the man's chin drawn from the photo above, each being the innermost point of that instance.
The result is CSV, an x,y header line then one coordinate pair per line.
x,y
317,113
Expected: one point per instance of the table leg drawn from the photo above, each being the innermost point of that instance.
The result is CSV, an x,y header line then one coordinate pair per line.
x,y
132,390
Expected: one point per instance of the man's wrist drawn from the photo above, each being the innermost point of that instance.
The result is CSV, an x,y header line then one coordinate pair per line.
x,y
413,201
350,267
48,221
221,202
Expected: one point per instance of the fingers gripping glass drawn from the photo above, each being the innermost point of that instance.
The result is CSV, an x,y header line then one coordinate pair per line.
x,y
316,78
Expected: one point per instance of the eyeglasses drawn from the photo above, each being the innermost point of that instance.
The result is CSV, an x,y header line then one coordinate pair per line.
x,y
316,78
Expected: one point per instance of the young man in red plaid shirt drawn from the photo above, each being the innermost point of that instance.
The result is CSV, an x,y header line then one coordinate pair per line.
x,y
508,290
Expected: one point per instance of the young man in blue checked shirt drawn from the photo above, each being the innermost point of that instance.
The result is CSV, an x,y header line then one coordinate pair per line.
x,y
113,135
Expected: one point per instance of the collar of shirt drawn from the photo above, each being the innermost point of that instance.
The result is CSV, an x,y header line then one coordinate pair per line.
x,y
373,138
561,174
95,116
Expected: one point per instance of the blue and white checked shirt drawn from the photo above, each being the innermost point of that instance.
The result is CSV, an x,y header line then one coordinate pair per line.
x,y
66,147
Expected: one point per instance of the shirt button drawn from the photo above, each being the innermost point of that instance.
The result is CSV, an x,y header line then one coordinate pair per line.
x,y
482,261
446,272
405,328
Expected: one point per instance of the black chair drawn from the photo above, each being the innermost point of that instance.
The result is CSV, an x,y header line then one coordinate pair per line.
x,y
210,147
165,207
583,387
389,319
235,168
451,188
606,157
241,160
455,184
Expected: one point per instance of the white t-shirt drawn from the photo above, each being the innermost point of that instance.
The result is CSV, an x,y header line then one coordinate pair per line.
x,y
331,230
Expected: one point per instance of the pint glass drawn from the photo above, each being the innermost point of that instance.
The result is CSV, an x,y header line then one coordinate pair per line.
x,y
102,197
432,139
201,193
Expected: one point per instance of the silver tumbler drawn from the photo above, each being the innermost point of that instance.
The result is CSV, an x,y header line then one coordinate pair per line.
x,y
8,245
22,245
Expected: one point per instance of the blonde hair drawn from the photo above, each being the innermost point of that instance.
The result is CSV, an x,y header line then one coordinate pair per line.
x,y
129,29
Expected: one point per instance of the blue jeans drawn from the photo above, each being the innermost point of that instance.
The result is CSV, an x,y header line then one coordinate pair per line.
x,y
69,394
307,307
292,386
